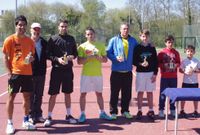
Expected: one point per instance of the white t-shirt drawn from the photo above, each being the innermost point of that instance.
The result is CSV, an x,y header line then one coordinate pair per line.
x,y
187,65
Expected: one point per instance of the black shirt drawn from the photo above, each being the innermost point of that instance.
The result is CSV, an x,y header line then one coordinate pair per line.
x,y
145,52
58,45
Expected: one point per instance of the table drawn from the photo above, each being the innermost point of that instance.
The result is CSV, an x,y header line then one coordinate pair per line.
x,y
176,95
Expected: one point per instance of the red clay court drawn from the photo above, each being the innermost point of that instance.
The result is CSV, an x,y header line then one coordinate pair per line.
x,y
93,125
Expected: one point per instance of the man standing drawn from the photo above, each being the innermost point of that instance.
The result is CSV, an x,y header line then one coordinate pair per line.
x,y
120,52
61,50
18,50
39,72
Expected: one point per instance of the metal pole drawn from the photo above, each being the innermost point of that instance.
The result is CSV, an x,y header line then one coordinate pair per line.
x,y
15,8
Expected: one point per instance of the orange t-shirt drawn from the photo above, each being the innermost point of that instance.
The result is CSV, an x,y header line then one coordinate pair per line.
x,y
17,49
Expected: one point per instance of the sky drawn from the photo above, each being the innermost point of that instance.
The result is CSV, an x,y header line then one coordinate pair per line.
x,y
10,4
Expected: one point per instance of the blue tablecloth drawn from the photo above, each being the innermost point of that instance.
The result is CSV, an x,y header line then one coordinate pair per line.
x,y
182,94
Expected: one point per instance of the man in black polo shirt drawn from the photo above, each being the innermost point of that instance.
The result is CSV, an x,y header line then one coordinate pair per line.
x,y
61,51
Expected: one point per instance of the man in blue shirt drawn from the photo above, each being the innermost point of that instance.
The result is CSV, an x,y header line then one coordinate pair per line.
x,y
120,52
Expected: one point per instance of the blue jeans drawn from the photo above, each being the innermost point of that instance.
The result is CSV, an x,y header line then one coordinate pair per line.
x,y
166,83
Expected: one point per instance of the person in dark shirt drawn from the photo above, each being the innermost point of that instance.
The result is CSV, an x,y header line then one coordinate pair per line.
x,y
145,60
39,71
61,51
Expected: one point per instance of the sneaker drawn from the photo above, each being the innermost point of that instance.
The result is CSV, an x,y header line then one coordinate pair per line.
x,y
195,114
48,122
113,116
182,114
139,115
172,113
70,119
104,116
161,114
127,115
10,129
40,119
28,125
151,114
82,118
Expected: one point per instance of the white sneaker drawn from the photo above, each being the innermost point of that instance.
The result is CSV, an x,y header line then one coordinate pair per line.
x,y
28,125
48,122
10,129
161,114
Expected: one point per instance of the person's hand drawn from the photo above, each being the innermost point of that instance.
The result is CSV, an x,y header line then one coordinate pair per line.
x,y
70,57
61,61
153,78
120,58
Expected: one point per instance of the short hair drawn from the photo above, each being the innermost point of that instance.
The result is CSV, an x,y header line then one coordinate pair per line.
x,y
90,28
124,23
63,21
190,47
169,38
145,32
20,18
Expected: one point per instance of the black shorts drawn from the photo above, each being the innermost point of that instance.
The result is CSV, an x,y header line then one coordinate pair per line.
x,y
20,83
60,76
188,85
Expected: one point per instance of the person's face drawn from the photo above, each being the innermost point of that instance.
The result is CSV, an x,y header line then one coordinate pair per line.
x,y
20,28
89,35
190,53
144,38
169,44
62,28
124,30
35,32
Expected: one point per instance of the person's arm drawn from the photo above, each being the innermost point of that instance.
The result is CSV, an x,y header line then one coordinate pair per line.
x,y
7,63
110,50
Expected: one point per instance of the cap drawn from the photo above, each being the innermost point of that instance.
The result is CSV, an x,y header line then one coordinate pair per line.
x,y
36,25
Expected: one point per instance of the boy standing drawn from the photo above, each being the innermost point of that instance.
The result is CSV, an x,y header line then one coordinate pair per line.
x,y
190,67
145,60
168,61
91,55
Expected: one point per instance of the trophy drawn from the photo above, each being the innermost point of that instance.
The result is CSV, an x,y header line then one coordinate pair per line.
x,y
171,64
65,58
145,62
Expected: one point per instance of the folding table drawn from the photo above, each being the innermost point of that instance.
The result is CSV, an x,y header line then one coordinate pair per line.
x,y
176,95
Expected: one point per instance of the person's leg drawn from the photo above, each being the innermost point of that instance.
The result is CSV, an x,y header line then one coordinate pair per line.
x,y
38,96
162,97
140,99
172,84
182,105
10,105
195,105
52,102
26,102
126,91
100,101
115,85
83,102
68,102
150,100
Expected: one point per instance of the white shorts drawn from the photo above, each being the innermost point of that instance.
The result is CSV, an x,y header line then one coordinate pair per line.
x,y
91,83
143,82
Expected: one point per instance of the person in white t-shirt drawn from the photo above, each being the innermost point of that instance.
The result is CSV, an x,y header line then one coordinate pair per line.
x,y
190,66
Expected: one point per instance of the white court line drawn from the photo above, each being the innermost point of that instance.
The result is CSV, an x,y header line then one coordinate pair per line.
x,y
4,93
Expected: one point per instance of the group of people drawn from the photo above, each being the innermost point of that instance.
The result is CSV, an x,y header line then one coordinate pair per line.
x,y
25,58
